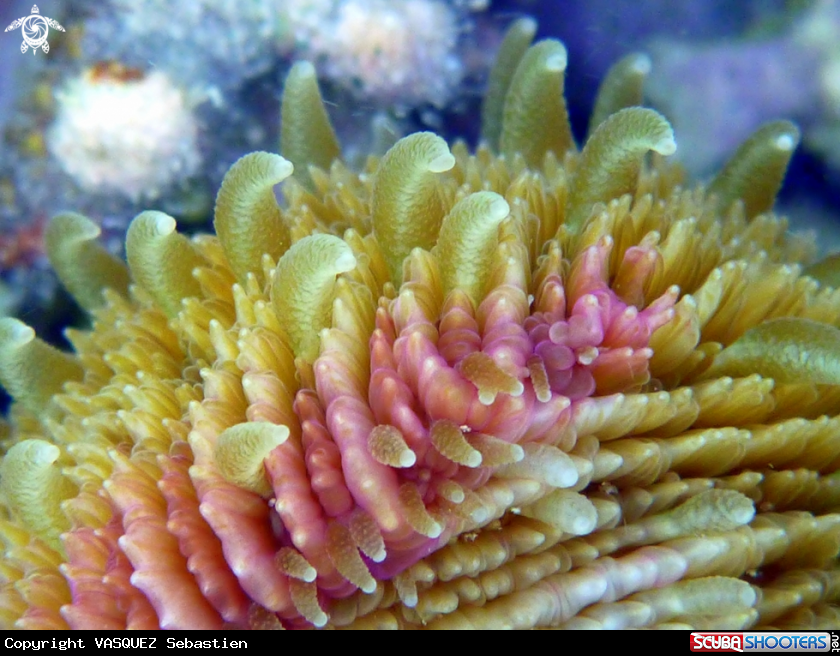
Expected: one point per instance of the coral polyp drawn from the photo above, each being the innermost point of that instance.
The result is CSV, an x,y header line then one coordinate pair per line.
x,y
546,387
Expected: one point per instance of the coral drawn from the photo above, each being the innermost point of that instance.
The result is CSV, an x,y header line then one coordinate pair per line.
x,y
391,52
746,84
209,42
450,390
728,87
118,130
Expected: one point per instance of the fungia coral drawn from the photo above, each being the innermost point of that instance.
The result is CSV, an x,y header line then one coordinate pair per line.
x,y
527,387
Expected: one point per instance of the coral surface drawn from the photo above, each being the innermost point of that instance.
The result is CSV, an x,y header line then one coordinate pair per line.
x,y
527,386
119,130
392,53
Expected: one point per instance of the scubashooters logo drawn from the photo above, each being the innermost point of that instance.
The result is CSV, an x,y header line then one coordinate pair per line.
x,y
753,641
35,29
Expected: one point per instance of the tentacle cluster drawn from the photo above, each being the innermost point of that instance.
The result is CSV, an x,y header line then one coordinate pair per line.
x,y
546,388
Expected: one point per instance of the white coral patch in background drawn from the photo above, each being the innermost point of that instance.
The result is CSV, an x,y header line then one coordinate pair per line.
x,y
131,137
392,52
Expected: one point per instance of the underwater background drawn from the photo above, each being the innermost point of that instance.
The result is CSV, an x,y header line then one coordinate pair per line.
x,y
456,371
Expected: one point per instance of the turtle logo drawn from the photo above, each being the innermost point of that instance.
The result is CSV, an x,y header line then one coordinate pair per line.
x,y
35,29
